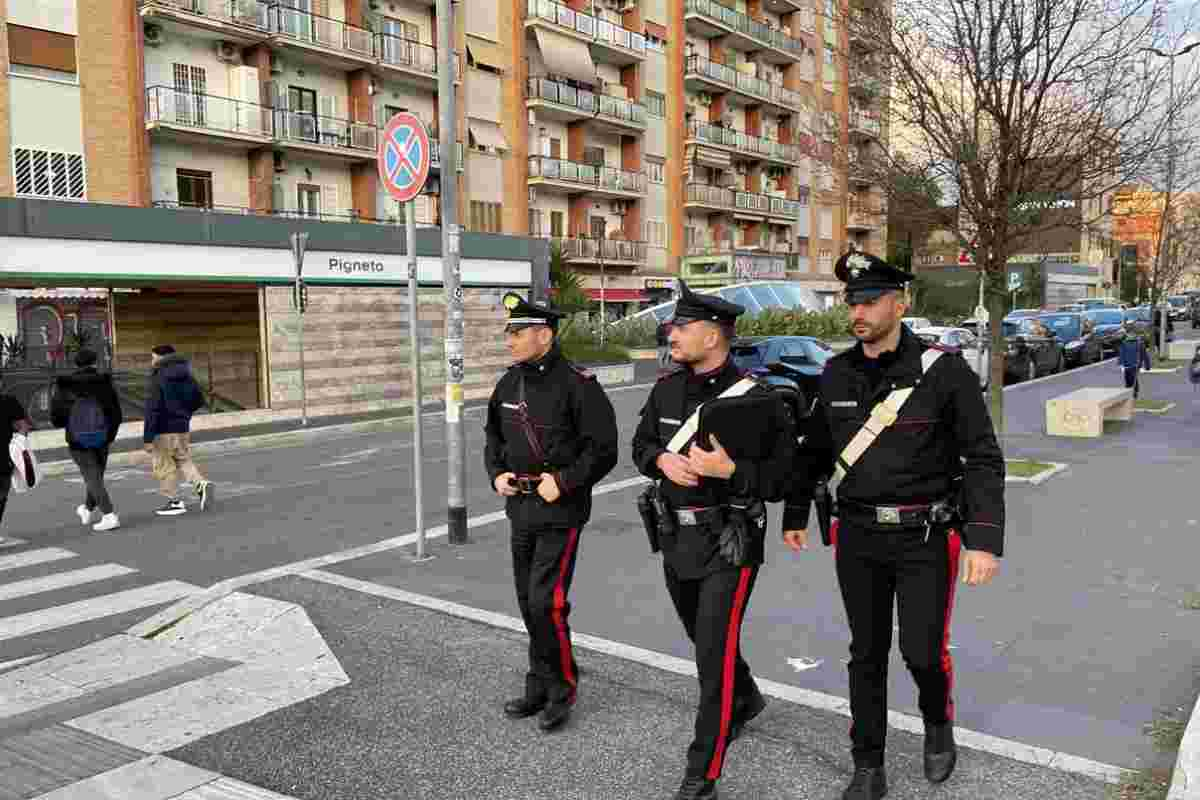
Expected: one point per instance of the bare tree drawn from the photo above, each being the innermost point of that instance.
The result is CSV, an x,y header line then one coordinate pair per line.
x,y
1181,250
1019,109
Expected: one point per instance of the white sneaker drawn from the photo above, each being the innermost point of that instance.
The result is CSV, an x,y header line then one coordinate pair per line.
x,y
86,517
109,522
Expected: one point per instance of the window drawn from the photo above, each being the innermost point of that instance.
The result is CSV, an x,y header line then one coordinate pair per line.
x,y
655,172
556,148
302,114
656,44
32,47
308,200
656,104
42,173
485,217
593,155
195,188
190,95
656,233
599,226
535,222
556,224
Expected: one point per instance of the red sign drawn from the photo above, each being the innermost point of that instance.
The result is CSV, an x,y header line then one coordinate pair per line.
x,y
404,156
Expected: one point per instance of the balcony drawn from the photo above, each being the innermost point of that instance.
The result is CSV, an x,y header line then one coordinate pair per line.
x,y
566,103
610,42
341,138
412,62
242,22
754,147
572,177
323,38
702,75
864,126
704,197
340,216
435,153
189,117
612,252
707,247
863,217
782,208
709,19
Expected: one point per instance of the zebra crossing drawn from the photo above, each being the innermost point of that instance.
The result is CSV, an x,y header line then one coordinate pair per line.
x,y
51,598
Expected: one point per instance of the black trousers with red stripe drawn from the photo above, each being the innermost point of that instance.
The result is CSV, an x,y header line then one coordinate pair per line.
x,y
873,567
712,609
543,566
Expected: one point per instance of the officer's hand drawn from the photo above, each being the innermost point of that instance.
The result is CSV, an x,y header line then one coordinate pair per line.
x,y
714,463
502,487
797,540
979,567
548,488
678,469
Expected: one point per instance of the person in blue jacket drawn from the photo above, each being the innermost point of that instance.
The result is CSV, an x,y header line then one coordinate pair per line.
x,y
172,397
1134,357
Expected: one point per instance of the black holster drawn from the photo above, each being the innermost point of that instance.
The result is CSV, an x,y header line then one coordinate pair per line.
x,y
823,502
656,516
742,539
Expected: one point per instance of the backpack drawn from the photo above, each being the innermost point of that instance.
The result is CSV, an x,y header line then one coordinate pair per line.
x,y
87,424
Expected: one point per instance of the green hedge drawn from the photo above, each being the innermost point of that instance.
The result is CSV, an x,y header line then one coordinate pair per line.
x,y
831,325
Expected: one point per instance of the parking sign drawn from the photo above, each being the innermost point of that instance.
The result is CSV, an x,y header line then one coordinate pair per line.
x,y
404,156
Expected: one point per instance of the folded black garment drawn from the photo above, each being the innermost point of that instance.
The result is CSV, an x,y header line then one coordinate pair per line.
x,y
747,427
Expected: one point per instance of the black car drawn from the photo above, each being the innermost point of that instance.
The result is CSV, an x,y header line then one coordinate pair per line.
x,y
1031,350
794,362
1077,335
1108,322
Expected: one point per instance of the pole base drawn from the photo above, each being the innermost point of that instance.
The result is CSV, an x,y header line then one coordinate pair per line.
x,y
456,525
415,559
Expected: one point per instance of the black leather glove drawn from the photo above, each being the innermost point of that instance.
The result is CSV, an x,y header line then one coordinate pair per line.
x,y
734,540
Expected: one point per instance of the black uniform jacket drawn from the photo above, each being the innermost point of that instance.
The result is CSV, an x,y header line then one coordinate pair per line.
x,y
943,431
671,402
575,425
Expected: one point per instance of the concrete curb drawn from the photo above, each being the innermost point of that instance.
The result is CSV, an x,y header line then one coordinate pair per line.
x,y
1167,371
1040,478
1162,410
1185,782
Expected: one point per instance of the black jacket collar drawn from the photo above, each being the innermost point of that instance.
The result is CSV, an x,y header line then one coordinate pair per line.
x,y
904,361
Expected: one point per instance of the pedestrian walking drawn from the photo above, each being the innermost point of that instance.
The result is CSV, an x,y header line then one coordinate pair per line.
x,y
172,397
86,406
551,436
1134,357
902,427
703,501
13,419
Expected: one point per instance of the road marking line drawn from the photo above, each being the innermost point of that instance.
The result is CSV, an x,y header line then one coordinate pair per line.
x,y
20,662
11,541
32,557
225,587
1006,748
47,619
61,580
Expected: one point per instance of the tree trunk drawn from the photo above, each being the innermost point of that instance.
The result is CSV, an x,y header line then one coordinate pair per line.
x,y
995,306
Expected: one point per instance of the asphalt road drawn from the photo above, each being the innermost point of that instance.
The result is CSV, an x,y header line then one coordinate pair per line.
x,y
1082,640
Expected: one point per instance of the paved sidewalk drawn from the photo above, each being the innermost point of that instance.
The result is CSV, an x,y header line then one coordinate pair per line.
x,y
421,718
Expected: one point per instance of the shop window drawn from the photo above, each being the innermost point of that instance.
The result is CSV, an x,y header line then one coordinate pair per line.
x,y
194,187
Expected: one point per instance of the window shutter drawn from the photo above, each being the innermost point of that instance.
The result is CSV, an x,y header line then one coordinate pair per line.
x,y
329,199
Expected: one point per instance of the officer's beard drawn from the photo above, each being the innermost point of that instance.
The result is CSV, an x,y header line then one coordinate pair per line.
x,y
869,333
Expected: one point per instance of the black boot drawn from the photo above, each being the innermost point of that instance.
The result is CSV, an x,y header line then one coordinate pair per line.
x,y
868,783
745,710
531,703
556,713
694,788
940,753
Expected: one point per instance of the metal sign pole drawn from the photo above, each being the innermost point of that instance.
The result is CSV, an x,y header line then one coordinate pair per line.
x,y
410,224
456,502
299,243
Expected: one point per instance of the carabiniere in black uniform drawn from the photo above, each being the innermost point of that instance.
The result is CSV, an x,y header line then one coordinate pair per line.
x,y
547,417
709,591
931,483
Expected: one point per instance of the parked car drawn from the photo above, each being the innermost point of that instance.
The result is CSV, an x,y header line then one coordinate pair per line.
x,y
1021,313
1194,310
794,362
1077,333
1031,350
1108,322
1093,303
964,340
1072,308
1179,307
916,323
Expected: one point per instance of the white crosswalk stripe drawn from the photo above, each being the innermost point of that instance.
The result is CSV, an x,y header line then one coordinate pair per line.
x,y
62,580
31,558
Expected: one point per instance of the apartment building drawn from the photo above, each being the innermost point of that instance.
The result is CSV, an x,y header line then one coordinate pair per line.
x,y
650,138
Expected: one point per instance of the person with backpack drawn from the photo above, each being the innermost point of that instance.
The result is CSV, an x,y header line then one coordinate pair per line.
x,y
1134,357
86,406
172,397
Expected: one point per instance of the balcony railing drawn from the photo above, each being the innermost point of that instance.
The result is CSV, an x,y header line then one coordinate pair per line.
x,y
709,246
586,249
746,84
300,126
710,195
595,28
346,216
435,152
782,207
587,102
171,106
743,142
399,52
745,24
251,13
746,202
304,26
589,175
864,123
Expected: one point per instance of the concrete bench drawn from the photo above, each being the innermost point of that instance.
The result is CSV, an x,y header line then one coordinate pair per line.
x,y
1182,349
1083,412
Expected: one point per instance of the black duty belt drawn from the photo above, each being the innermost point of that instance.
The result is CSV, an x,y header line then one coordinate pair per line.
x,y
914,514
691,517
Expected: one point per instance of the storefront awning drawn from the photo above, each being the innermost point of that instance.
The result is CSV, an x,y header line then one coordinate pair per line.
x,y
619,295
487,134
566,57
